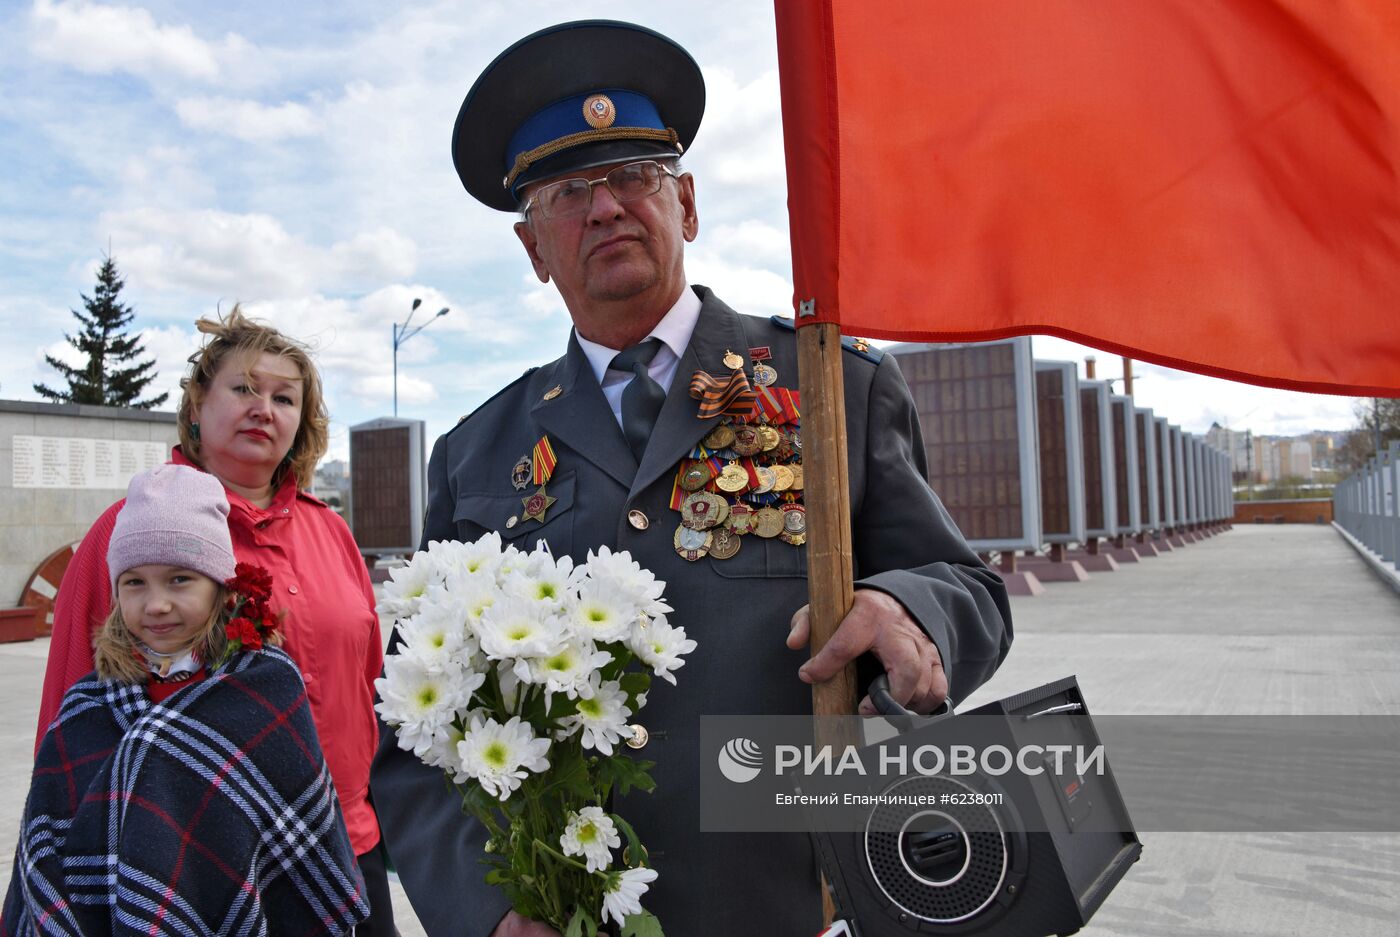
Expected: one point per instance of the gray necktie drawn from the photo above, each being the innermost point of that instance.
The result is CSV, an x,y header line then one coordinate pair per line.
x,y
642,397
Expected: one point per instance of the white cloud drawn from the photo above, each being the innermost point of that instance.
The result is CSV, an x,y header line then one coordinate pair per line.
x,y
753,242
753,290
103,39
247,120
412,390
740,144
249,256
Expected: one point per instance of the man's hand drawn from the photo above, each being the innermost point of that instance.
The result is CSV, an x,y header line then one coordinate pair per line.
x,y
513,925
879,624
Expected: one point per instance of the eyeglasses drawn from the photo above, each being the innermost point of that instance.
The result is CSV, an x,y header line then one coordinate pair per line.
x,y
570,197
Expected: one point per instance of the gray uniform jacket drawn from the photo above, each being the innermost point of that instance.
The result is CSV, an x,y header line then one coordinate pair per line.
x,y
737,610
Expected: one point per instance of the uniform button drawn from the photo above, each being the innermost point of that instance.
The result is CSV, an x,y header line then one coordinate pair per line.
x,y
640,736
638,519
512,522
292,590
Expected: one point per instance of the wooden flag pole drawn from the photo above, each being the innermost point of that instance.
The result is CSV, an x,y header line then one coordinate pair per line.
x,y
830,565
826,495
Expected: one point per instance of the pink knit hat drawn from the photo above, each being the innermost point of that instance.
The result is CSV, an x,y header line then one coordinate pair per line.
x,y
176,516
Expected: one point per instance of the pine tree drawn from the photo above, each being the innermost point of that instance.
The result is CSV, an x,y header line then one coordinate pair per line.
x,y
104,341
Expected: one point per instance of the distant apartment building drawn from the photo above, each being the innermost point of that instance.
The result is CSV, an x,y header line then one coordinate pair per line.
x,y
1324,449
332,484
1296,456
1278,457
1238,444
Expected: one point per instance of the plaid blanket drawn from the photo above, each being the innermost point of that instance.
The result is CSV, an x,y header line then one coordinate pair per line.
x,y
210,813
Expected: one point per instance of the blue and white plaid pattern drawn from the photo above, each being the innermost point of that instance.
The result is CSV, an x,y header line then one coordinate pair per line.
x,y
209,813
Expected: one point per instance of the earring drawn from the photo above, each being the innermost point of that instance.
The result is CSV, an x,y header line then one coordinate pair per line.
x,y
194,431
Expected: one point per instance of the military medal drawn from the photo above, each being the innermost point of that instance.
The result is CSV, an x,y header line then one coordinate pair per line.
x,y
796,469
732,478
741,519
763,374
768,437
721,437
542,461
697,476
768,522
767,478
702,510
692,544
724,543
521,474
732,361
784,478
747,441
536,505
794,524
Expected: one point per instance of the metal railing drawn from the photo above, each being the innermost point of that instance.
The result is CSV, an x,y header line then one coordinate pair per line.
x,y
1366,506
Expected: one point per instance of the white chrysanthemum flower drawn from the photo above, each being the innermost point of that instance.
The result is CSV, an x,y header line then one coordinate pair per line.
x,y
660,646
467,560
435,636
541,579
442,753
499,756
514,628
470,597
420,699
591,833
511,560
404,590
623,893
619,574
602,716
568,670
601,615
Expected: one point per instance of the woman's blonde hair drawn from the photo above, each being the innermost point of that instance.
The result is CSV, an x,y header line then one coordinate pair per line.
x,y
236,336
117,658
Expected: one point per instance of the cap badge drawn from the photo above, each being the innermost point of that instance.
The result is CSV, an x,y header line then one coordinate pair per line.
x,y
599,111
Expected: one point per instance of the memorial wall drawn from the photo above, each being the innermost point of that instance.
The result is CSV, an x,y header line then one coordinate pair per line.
x,y
976,407
62,465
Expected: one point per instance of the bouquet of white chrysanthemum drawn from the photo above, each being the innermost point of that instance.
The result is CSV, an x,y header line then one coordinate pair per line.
x,y
513,678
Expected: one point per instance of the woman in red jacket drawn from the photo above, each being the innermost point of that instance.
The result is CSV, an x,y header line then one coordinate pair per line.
x,y
252,415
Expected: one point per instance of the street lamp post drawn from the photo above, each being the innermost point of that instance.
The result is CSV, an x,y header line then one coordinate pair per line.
x,y
401,335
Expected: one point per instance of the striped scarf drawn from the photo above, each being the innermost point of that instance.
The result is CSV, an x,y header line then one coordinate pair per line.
x,y
209,813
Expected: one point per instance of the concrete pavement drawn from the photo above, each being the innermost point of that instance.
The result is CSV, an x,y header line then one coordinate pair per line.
x,y
1263,619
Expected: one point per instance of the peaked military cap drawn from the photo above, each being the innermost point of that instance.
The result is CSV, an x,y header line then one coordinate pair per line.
x,y
572,97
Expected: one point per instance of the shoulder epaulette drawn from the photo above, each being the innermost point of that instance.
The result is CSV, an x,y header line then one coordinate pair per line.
x,y
856,346
465,416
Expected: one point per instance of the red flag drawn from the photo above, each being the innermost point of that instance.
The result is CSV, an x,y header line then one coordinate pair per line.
x,y
1209,186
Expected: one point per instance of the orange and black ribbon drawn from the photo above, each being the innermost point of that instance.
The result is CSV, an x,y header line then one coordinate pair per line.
x,y
731,397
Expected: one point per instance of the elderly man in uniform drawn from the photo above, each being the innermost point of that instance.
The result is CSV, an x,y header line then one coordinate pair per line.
x,y
579,128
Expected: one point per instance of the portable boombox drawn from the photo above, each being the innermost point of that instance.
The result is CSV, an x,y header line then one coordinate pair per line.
x,y
1015,854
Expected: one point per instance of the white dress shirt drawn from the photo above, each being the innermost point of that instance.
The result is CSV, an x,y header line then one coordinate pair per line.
x,y
674,330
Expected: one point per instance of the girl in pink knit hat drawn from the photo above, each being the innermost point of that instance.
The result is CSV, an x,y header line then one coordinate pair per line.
x,y
182,787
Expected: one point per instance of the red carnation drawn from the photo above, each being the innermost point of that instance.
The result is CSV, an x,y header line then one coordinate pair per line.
x,y
249,634
252,581
237,628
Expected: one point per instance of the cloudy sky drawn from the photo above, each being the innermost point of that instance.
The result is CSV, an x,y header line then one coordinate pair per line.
x,y
296,158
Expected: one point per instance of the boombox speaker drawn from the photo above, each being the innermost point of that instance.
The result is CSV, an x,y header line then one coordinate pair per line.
x,y
1038,863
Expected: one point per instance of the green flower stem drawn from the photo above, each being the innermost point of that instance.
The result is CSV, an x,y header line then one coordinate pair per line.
x,y
565,859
